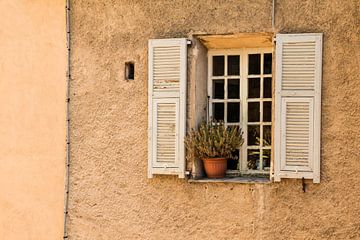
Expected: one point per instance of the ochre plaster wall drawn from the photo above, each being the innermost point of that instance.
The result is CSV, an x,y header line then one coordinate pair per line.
x,y
111,197
32,118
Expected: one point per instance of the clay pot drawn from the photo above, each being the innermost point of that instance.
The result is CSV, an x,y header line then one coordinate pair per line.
x,y
215,167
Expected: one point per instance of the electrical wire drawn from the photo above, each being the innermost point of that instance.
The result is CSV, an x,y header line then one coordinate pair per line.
x,y
273,16
68,79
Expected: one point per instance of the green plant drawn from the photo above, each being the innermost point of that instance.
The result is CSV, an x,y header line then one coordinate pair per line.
x,y
213,139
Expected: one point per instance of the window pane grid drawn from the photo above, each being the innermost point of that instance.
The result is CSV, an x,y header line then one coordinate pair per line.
x,y
261,144
230,96
225,78
230,60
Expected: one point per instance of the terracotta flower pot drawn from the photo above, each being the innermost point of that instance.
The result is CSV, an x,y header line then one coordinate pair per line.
x,y
215,167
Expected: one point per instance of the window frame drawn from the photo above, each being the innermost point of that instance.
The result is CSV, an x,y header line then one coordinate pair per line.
x,y
243,100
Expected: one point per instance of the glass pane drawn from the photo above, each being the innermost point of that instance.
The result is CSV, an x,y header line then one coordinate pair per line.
x,y
253,87
233,112
253,135
253,112
266,158
267,88
267,136
267,112
218,111
234,65
232,163
253,158
218,65
233,88
218,89
254,64
267,63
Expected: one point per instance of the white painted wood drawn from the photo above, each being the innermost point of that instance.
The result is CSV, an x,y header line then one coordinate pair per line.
x,y
167,106
166,133
297,134
243,53
298,106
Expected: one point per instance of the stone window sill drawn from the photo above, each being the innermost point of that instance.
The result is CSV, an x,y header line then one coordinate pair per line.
x,y
244,180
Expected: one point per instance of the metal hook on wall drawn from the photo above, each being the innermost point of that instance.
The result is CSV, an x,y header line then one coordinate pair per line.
x,y
303,185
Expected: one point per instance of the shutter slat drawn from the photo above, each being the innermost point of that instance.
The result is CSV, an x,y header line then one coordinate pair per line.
x,y
166,71
298,66
166,132
298,130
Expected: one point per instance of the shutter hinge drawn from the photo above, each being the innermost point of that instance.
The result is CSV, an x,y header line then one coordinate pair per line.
x,y
274,40
188,42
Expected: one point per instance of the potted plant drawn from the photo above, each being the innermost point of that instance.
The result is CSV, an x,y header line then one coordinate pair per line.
x,y
214,143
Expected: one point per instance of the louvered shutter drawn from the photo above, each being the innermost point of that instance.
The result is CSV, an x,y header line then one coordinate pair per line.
x,y
298,106
167,106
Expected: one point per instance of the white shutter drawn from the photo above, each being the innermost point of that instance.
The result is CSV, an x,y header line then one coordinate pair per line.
x,y
298,106
167,106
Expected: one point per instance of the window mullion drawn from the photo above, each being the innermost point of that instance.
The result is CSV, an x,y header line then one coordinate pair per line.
x,y
261,110
225,88
244,91
209,87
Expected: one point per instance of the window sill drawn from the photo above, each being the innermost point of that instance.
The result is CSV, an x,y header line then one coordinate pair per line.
x,y
244,180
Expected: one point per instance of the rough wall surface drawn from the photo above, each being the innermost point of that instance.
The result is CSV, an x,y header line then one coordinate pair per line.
x,y
111,197
32,119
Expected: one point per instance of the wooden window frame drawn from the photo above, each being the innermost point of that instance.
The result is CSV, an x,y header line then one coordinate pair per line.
x,y
243,77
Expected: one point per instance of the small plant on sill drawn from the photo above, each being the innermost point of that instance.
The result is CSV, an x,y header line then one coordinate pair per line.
x,y
214,143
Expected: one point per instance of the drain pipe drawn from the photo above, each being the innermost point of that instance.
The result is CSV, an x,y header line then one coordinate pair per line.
x,y
68,79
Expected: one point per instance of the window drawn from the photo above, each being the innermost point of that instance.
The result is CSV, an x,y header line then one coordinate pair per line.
x,y
240,91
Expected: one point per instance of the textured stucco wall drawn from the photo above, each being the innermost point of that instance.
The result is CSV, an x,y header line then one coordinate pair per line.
x,y
32,118
111,197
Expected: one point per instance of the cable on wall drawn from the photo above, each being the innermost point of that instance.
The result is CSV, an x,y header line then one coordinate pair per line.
x,y
68,79
273,16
